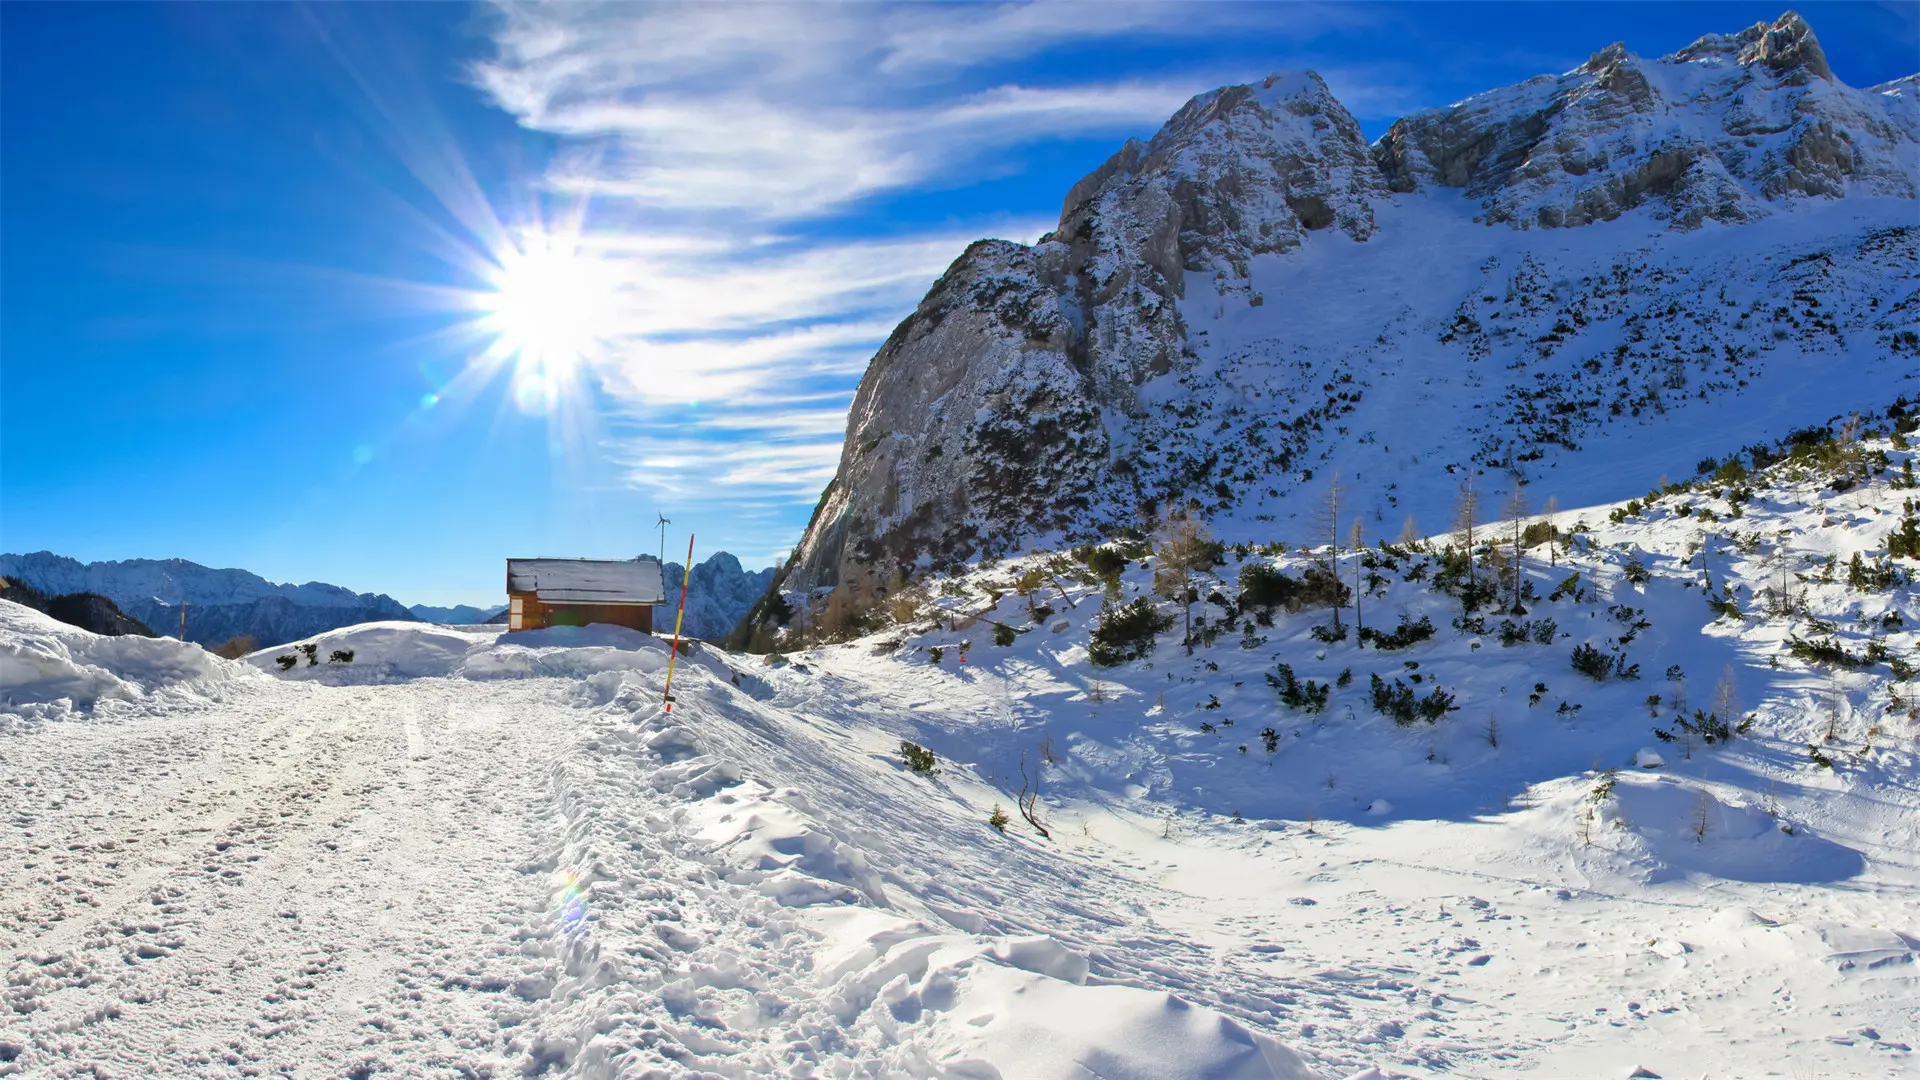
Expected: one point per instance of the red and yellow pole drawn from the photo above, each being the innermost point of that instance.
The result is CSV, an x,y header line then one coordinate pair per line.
x,y
685,580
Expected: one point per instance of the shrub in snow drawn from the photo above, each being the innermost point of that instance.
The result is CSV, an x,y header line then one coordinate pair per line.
x,y
1321,587
1126,632
1106,564
1310,697
1003,634
342,656
1403,636
1328,634
1601,666
286,662
311,651
998,819
934,653
1827,652
236,647
1397,700
1263,588
919,760
1538,631
1567,589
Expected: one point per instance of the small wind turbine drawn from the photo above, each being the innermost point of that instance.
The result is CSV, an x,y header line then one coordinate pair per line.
x,y
664,522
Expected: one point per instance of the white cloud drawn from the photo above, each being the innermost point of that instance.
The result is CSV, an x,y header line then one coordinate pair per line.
x,y
724,155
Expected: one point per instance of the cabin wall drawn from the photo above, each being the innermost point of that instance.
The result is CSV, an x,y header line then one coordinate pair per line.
x,y
526,612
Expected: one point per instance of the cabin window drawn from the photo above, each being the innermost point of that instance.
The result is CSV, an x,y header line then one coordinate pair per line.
x,y
517,601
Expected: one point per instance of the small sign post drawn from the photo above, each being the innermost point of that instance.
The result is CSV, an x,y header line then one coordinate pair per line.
x,y
685,580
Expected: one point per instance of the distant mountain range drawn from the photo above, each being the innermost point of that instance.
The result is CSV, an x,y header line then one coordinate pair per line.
x,y
221,604
224,604
457,615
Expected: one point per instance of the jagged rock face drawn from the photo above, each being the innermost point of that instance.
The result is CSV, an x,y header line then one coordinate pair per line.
x,y
1714,132
719,593
1227,309
1014,370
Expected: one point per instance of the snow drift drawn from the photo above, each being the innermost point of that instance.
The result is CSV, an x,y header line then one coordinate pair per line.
x,y
48,663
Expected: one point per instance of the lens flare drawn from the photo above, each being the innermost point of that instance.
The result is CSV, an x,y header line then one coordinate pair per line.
x,y
573,902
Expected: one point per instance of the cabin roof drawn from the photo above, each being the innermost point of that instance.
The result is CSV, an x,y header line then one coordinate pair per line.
x,y
587,581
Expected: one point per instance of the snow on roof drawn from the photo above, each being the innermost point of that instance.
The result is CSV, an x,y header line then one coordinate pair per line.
x,y
587,581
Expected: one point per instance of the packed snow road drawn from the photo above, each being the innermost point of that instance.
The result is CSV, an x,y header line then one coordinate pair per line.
x,y
293,882
466,856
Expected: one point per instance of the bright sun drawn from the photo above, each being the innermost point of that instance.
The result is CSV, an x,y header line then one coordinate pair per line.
x,y
550,310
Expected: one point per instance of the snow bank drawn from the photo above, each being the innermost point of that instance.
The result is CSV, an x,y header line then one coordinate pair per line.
x,y
386,652
48,668
1039,1028
1673,827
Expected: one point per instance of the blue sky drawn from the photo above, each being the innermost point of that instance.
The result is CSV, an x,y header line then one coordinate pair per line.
x,y
379,295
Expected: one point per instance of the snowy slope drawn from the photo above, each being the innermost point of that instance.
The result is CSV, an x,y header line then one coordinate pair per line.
x,y
1581,278
222,604
468,853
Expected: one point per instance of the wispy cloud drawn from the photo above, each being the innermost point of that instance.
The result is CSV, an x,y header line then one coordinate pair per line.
x,y
726,156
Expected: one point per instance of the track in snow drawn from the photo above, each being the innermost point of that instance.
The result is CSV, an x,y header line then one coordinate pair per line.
x,y
296,882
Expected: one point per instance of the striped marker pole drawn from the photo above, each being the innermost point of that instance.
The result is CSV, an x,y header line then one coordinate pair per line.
x,y
679,615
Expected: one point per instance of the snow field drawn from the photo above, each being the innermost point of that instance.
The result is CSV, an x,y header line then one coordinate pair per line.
x,y
1696,904
530,874
473,854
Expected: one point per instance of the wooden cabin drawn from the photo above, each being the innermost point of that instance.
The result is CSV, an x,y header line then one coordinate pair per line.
x,y
577,592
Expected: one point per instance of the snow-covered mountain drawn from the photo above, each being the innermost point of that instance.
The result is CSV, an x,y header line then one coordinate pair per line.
x,y
457,615
718,596
1582,280
221,604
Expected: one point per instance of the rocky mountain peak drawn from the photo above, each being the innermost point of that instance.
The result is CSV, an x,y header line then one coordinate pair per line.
x,y
1719,131
1223,307
1237,172
1786,47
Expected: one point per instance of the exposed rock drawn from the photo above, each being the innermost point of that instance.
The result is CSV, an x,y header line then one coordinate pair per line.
x,y
1003,383
88,611
719,593
1130,358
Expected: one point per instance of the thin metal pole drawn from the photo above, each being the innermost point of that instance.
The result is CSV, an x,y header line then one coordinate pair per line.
x,y
681,614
